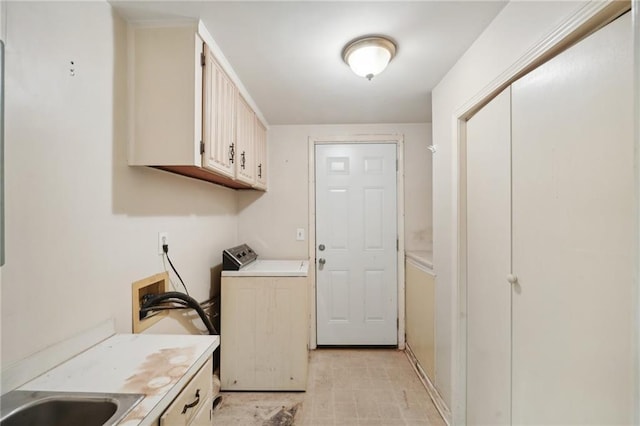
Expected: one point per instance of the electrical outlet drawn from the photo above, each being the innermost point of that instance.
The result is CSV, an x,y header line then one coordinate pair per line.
x,y
163,238
300,234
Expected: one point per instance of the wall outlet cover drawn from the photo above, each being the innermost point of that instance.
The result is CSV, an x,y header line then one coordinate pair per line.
x,y
163,238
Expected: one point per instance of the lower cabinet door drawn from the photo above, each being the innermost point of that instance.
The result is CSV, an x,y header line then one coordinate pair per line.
x,y
205,415
187,408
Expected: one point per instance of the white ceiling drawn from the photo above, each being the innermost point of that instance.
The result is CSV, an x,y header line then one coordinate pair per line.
x,y
288,53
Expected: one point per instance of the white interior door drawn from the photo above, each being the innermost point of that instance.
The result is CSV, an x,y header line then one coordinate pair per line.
x,y
572,148
356,244
488,263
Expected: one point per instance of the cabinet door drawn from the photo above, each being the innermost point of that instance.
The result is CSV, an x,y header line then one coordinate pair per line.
x,y
192,400
261,154
420,303
488,263
573,224
245,125
205,415
166,103
219,118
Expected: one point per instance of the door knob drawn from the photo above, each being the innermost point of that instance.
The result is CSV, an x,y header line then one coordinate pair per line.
x,y
322,261
513,279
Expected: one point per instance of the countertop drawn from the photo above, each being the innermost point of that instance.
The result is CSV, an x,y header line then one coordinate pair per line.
x,y
158,366
272,268
422,258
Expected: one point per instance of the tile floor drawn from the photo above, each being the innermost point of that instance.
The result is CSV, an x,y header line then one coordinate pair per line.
x,y
349,387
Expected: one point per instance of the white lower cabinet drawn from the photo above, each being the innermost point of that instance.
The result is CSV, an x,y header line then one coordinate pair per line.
x,y
193,406
420,314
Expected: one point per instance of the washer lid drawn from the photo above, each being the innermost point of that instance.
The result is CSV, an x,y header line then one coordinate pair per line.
x,y
271,268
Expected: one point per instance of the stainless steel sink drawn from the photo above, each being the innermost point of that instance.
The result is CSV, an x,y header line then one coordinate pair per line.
x,y
35,408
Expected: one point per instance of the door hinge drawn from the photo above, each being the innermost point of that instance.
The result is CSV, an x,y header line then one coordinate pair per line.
x,y
201,147
203,60
397,244
397,165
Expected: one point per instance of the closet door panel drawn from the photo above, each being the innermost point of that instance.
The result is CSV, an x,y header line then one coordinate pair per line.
x,y
572,147
488,263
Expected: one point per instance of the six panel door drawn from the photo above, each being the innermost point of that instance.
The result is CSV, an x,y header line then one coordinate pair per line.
x,y
356,236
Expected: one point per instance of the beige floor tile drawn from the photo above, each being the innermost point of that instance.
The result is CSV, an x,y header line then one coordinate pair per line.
x,y
346,410
318,422
346,387
367,409
389,411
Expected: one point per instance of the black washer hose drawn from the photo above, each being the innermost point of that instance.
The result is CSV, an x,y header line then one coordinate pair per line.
x,y
155,300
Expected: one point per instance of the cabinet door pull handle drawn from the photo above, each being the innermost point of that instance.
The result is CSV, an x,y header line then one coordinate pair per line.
x,y
193,404
259,170
232,153
243,160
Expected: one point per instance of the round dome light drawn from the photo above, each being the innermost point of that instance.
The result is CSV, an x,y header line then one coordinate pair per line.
x,y
369,56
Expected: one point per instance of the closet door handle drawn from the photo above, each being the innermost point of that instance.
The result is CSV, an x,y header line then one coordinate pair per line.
x,y
512,279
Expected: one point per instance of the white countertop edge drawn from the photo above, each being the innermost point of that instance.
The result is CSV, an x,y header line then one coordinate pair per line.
x,y
420,262
154,414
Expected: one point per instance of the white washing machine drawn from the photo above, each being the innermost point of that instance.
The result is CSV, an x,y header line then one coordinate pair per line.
x,y
264,322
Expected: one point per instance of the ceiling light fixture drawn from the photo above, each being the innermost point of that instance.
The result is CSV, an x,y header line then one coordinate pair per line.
x,y
369,56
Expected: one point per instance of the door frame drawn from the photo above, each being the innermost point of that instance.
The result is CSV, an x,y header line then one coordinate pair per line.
x,y
398,140
588,19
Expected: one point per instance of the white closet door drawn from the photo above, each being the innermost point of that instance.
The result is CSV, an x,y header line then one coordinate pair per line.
x,y
572,148
488,263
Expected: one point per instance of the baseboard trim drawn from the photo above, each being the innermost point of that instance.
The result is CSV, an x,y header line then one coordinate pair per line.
x,y
441,406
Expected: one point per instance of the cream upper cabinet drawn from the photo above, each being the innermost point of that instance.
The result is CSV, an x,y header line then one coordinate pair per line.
x,y
186,113
219,118
245,123
165,117
261,155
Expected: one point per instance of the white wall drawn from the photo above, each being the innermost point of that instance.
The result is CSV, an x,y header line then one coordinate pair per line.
x,y
2,37
518,27
268,221
3,17
81,225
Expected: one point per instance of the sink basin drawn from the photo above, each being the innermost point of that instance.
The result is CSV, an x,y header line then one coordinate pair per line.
x,y
35,408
